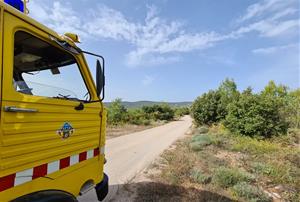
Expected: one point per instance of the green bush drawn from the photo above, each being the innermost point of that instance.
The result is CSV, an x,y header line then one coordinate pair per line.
x,y
200,177
202,130
280,172
138,117
254,146
117,113
181,111
228,177
263,168
159,112
205,108
249,192
199,142
268,113
256,115
292,112
211,107
228,93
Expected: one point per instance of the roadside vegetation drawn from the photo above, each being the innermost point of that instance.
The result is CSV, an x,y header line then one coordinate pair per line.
x,y
122,120
244,147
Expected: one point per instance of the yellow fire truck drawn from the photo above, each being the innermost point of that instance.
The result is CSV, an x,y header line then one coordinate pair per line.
x,y
52,131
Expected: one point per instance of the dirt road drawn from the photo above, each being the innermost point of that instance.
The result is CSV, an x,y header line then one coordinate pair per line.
x,y
129,154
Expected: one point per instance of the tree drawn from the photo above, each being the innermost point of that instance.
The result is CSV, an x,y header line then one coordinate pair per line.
x,y
228,93
117,113
293,108
204,109
275,90
211,107
256,115
159,112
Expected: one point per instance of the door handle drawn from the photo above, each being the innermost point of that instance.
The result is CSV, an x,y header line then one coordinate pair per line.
x,y
17,109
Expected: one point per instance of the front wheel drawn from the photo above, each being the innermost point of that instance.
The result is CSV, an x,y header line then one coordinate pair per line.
x,y
102,188
47,196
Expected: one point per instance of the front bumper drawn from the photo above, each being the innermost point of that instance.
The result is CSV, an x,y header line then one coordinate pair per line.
x,y
102,188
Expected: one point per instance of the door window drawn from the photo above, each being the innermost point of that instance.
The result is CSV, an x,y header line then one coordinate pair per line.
x,y
42,69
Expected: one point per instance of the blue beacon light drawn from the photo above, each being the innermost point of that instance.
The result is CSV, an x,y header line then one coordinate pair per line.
x,y
17,4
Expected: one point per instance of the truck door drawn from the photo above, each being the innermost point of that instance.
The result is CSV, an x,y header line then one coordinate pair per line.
x,y
45,114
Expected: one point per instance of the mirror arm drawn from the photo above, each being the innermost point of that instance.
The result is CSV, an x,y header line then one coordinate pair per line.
x,y
102,58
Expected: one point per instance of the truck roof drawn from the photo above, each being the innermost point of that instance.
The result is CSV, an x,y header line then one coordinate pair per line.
x,y
33,22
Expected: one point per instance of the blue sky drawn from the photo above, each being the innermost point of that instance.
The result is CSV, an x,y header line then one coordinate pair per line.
x,y
176,50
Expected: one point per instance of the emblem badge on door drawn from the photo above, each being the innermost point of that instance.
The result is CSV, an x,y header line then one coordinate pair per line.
x,y
65,131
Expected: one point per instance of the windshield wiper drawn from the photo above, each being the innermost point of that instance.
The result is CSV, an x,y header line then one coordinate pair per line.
x,y
67,97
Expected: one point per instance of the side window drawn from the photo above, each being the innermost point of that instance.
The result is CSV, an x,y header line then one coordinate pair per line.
x,y
44,70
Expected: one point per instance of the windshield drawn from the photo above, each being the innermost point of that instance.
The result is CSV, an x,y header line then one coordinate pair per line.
x,y
45,70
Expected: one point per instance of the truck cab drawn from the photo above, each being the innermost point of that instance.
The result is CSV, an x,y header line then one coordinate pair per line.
x,y
52,132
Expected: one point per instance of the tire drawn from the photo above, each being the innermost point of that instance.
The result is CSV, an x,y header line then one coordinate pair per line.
x,y
102,188
47,196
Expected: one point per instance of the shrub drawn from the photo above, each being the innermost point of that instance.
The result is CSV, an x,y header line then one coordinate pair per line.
x,y
250,192
199,142
211,107
228,93
254,146
117,113
228,177
256,115
281,172
262,168
138,117
199,177
159,112
202,130
292,112
181,111
205,108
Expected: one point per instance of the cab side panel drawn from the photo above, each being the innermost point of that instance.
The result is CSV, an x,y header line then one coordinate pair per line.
x,y
1,49
30,146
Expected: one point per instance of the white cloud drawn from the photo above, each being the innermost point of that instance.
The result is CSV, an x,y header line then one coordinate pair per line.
x,y
135,59
284,13
265,7
270,18
275,49
156,41
61,18
269,28
147,80
152,39
108,23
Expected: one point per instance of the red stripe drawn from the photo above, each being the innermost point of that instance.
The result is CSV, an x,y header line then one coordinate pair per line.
x,y
65,162
82,156
96,152
39,171
7,182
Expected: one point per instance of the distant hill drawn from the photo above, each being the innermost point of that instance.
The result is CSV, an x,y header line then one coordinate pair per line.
x,y
140,104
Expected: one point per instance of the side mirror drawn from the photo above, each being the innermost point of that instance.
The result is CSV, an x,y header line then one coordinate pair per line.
x,y
100,79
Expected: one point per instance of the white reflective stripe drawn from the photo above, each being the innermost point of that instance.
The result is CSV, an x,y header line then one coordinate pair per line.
x,y
53,167
74,159
90,154
102,150
23,176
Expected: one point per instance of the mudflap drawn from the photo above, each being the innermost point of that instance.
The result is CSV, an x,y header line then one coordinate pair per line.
x,y
102,188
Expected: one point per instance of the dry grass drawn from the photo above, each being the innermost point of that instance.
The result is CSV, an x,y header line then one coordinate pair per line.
x,y
237,168
116,131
